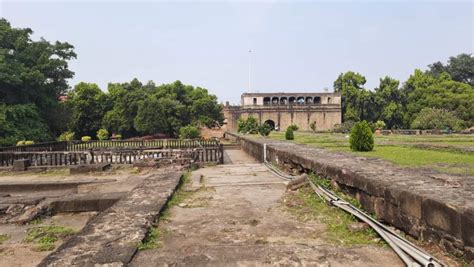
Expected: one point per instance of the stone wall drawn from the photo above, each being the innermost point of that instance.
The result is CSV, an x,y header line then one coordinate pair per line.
x,y
435,208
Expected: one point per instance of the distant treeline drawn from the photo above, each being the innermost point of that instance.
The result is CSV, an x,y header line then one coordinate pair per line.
x,y
440,97
36,102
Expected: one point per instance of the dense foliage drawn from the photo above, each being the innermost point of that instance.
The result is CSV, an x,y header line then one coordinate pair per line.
x,y
102,134
33,75
248,126
289,134
294,127
433,118
189,132
264,129
448,87
361,138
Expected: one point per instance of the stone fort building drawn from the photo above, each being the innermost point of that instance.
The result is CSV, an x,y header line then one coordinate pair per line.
x,y
280,110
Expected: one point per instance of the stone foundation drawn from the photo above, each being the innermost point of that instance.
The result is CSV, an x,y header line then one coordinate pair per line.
x,y
427,207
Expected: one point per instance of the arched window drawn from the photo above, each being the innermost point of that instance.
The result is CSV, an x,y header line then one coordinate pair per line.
x,y
254,101
300,100
292,100
329,100
283,100
317,100
309,100
275,100
266,101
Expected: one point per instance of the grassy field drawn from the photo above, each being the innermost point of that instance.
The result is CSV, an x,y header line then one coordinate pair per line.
x,y
440,152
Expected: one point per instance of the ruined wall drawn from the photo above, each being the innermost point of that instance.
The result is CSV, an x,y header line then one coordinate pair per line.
x,y
434,209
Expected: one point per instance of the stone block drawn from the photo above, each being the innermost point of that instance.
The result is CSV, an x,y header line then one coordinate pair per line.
x,y
469,255
467,227
410,204
81,169
442,216
21,165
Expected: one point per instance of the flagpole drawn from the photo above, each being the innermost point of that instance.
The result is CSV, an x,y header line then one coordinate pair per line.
x,y
250,51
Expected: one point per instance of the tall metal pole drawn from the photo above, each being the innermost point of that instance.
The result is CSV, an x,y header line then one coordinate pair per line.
x,y
250,52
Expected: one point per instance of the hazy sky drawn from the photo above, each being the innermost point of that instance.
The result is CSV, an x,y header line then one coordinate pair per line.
x,y
296,46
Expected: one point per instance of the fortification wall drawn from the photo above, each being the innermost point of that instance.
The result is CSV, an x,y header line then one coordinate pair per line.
x,y
434,208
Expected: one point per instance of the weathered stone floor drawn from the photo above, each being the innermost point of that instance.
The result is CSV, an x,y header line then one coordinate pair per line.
x,y
236,218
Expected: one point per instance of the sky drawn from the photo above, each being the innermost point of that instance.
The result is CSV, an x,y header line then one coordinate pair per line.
x,y
296,46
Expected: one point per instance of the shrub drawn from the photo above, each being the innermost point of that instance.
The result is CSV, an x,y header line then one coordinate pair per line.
x,y
117,136
86,138
264,129
20,143
102,134
294,127
380,125
313,126
289,135
345,127
29,142
361,138
432,118
248,126
189,132
67,136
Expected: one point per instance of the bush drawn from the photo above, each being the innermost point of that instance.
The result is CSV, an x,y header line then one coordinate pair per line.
x,y
313,126
67,136
86,138
29,142
440,119
189,132
117,136
294,127
102,134
380,125
20,143
345,127
361,138
248,126
289,135
264,129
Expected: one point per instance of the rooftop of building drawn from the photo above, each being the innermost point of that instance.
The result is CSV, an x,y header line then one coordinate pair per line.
x,y
292,94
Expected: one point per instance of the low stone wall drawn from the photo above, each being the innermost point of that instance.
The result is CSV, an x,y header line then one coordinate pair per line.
x,y
435,208
112,238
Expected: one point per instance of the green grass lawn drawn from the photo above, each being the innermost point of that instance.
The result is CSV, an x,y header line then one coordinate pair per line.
x,y
399,150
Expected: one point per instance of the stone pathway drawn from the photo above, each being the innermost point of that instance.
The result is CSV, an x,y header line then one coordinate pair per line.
x,y
234,216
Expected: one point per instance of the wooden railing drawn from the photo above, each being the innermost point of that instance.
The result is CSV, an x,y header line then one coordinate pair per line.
x,y
121,156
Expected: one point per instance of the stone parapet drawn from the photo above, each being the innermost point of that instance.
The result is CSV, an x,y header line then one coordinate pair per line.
x,y
435,208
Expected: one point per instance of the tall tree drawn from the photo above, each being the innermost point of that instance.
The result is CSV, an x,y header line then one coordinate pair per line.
x,y
33,72
87,105
388,99
460,68
356,100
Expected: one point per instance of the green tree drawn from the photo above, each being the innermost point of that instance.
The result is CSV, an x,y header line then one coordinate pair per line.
x,y
356,100
248,126
34,72
21,122
460,68
87,105
361,138
425,91
388,99
433,118
264,129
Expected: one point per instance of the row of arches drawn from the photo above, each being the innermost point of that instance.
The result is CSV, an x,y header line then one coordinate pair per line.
x,y
301,100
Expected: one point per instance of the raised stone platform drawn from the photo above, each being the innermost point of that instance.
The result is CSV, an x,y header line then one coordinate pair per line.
x,y
436,208
112,238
